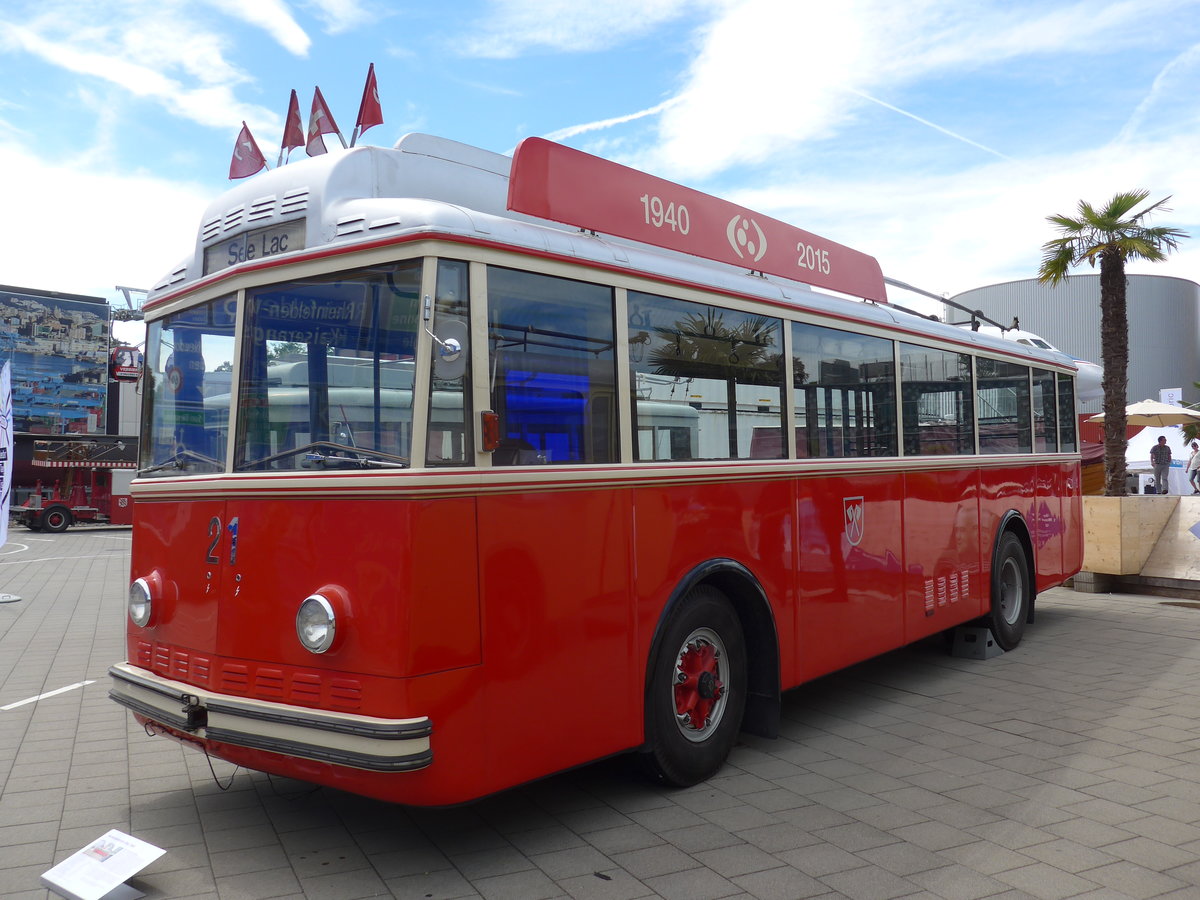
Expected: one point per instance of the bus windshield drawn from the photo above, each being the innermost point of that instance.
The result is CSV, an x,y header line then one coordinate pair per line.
x,y
327,371
189,359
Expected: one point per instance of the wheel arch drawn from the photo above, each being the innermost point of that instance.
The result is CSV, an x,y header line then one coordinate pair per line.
x,y
745,593
1013,521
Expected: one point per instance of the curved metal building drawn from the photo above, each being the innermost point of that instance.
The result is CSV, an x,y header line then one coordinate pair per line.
x,y
1164,325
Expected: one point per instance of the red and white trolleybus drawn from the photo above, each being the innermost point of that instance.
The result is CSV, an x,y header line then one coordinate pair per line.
x,y
459,470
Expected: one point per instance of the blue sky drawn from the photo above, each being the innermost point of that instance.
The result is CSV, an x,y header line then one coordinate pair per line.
x,y
935,135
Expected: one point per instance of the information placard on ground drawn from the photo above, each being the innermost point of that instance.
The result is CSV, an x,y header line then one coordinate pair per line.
x,y
99,870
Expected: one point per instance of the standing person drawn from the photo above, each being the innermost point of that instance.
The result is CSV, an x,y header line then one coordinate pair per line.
x,y
1193,468
1160,460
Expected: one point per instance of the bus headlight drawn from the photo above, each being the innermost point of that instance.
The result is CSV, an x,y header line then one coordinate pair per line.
x,y
316,624
141,604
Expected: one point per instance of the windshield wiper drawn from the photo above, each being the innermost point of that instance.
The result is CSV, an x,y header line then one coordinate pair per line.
x,y
327,454
181,459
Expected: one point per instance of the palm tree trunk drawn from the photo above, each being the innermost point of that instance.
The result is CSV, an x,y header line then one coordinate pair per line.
x,y
1114,353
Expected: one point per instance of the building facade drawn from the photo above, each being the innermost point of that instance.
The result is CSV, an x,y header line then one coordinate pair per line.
x,y
1164,326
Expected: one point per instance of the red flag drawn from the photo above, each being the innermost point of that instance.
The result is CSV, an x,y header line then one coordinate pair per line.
x,y
247,158
293,130
320,121
369,111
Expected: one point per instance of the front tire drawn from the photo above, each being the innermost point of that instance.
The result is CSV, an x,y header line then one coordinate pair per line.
x,y
1012,591
696,689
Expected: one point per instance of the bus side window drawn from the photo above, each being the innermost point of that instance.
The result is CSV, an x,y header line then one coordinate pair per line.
x,y
1004,405
707,382
449,439
1066,414
845,389
553,369
935,390
1045,412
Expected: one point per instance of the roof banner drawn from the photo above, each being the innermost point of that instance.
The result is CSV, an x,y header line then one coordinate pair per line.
x,y
559,183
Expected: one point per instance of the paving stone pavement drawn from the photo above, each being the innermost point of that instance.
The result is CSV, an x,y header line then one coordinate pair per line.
x,y
1067,768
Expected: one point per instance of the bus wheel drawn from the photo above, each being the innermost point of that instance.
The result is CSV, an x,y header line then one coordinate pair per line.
x,y
1011,591
697,689
56,519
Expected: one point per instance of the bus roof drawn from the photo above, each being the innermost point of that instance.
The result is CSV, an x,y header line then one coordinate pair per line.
x,y
431,186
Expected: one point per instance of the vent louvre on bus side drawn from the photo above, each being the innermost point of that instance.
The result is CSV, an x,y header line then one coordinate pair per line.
x,y
209,230
345,694
268,684
294,201
306,689
235,679
262,208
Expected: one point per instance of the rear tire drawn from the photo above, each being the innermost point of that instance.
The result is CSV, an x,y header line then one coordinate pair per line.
x,y
696,689
55,519
1012,591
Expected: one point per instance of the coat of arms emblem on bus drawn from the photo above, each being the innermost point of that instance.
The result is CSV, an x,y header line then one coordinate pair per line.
x,y
853,510
746,238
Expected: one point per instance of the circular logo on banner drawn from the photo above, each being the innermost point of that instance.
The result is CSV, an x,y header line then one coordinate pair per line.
x,y
746,238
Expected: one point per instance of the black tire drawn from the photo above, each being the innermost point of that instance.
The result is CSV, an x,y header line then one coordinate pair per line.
x,y
691,725
1012,591
55,519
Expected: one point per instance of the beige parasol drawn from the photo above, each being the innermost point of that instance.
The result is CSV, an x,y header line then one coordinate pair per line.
x,y
1154,414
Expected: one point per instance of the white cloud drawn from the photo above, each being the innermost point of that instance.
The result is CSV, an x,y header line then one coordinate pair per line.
x,y
774,83
1173,89
94,234
514,27
952,232
769,77
162,46
273,17
345,15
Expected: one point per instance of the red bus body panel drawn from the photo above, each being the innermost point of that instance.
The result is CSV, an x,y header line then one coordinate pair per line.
x,y
533,659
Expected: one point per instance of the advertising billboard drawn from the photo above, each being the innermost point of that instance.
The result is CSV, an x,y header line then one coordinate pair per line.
x,y
58,347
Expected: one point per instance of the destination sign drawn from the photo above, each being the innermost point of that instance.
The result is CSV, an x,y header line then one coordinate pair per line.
x,y
257,244
554,182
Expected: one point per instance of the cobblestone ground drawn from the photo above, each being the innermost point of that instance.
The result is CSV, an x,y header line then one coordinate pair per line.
x,y
1067,768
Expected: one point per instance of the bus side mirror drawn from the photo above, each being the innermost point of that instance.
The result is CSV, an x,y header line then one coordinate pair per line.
x,y
450,350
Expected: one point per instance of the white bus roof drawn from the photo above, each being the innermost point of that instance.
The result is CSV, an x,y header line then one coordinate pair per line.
x,y
434,186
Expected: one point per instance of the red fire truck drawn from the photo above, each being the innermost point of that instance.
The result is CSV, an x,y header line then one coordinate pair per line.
x,y
90,485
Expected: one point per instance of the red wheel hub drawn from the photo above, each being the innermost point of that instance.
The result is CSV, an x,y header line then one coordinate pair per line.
x,y
698,686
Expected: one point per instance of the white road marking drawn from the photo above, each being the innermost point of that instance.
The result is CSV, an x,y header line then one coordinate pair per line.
x,y
62,690
25,562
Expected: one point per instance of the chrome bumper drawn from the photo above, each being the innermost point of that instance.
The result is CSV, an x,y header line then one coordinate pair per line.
x,y
360,742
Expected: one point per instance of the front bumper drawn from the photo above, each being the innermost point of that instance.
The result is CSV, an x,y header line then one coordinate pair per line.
x,y
359,742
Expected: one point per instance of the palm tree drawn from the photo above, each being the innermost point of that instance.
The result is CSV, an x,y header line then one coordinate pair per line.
x,y
1113,234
